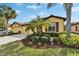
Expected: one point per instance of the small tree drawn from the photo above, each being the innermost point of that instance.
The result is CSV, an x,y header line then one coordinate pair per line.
x,y
31,27
7,13
1,23
38,23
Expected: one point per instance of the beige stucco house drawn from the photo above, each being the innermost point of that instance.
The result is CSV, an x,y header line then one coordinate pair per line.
x,y
56,25
75,27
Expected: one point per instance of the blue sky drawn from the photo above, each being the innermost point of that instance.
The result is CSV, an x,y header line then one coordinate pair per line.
x,y
28,11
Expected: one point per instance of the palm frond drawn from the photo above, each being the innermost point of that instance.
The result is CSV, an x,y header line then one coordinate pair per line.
x,y
38,3
27,28
50,5
68,5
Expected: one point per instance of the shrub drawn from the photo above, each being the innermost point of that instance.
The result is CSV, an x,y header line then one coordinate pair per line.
x,y
63,33
52,34
66,33
57,40
36,39
29,37
44,39
73,41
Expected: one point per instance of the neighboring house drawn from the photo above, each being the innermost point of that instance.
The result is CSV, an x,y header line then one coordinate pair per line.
x,y
56,25
75,27
19,27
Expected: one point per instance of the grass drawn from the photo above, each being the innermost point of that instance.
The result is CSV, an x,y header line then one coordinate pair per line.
x,y
17,49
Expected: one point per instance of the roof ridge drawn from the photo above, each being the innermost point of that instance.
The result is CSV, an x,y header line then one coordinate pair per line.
x,y
55,16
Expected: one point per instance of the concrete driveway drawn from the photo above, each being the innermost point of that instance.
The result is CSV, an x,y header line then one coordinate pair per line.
x,y
11,38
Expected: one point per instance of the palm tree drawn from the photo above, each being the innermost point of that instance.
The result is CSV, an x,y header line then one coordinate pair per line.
x,y
38,23
68,8
41,22
1,17
31,27
7,13
1,23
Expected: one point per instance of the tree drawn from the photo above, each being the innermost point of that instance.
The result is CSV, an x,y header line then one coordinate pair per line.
x,y
1,18
1,23
7,13
38,23
31,27
68,8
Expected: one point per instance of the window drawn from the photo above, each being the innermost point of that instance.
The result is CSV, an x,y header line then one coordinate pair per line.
x,y
53,27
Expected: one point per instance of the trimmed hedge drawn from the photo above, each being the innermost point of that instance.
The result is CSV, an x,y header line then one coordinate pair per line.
x,y
52,34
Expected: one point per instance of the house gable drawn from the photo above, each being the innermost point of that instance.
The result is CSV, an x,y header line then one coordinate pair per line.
x,y
59,22
57,17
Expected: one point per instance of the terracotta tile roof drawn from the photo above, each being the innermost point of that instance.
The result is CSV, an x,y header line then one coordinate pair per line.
x,y
21,24
56,17
74,23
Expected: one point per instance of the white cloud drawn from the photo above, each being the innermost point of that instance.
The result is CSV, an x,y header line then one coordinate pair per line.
x,y
19,4
75,9
43,14
31,16
33,7
18,11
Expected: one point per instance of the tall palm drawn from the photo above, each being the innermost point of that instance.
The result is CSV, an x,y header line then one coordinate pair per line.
x,y
68,8
7,13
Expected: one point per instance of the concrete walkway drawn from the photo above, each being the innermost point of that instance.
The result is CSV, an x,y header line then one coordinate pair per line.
x,y
11,38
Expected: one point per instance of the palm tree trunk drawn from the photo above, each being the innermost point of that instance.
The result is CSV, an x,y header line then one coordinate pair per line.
x,y
40,33
68,15
33,31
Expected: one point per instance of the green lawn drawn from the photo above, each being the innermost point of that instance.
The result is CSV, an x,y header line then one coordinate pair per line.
x,y
16,48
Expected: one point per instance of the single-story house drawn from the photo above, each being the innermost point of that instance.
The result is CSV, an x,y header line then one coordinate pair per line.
x,y
56,25
75,27
17,27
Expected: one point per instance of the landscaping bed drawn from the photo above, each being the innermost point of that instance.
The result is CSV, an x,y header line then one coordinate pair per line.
x,y
58,40
47,40
43,46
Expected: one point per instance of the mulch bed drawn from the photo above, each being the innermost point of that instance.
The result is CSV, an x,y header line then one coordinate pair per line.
x,y
47,45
